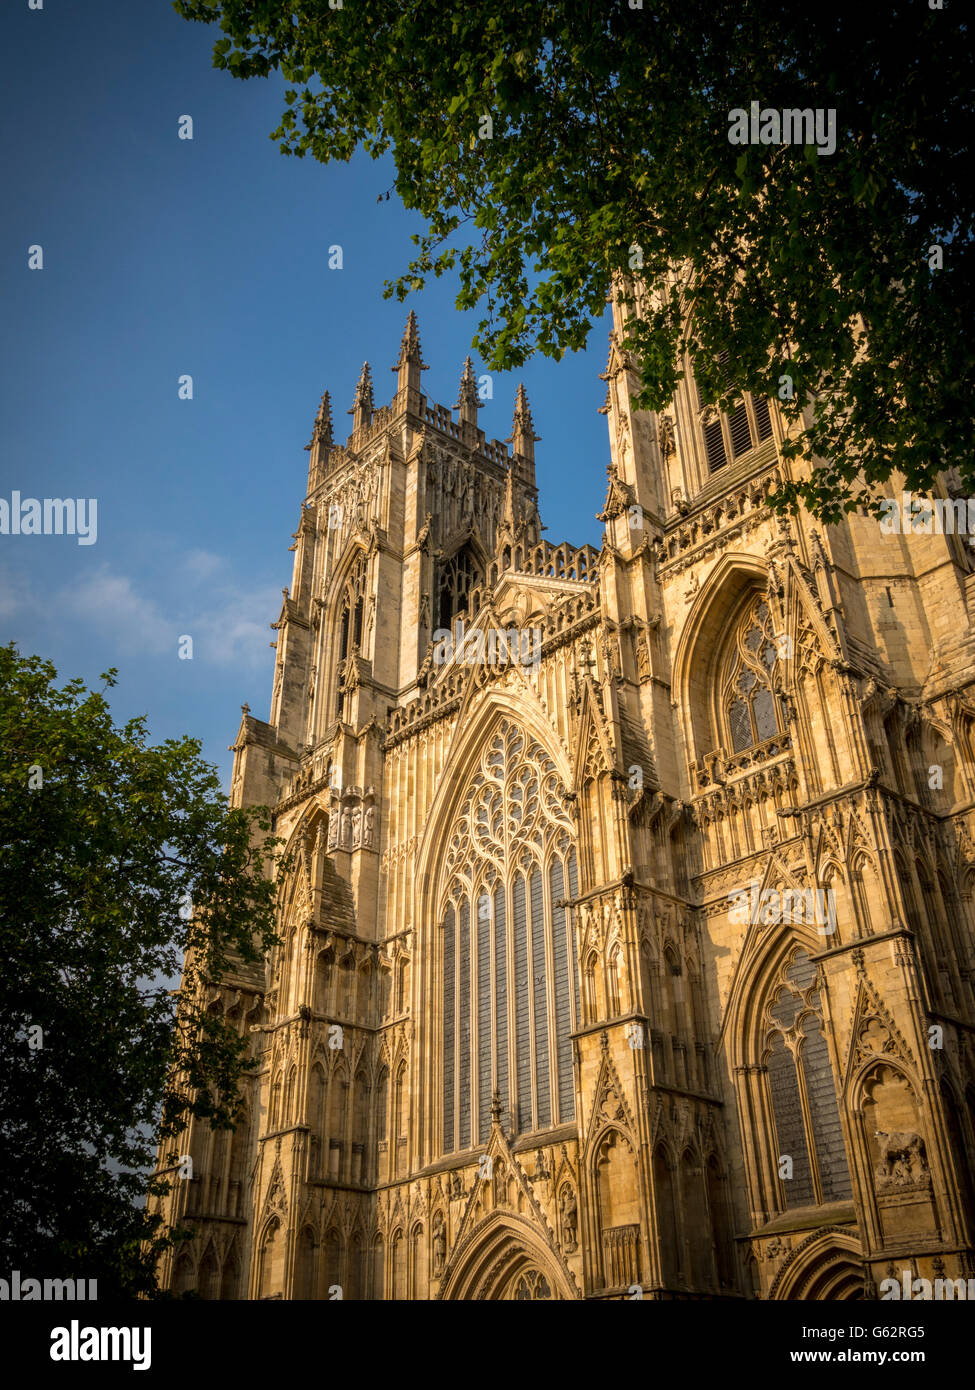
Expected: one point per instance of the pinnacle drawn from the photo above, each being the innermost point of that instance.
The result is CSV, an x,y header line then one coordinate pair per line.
x,y
468,387
322,431
363,391
523,429
409,348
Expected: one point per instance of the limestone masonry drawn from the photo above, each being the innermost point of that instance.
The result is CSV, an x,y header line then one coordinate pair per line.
x,y
521,1040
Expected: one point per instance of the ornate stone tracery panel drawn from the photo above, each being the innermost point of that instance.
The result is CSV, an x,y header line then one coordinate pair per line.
x,y
516,803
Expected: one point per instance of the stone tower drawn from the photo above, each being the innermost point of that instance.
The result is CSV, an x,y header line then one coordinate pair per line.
x,y
629,947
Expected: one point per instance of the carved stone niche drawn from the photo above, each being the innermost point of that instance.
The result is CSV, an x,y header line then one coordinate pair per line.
x,y
898,1155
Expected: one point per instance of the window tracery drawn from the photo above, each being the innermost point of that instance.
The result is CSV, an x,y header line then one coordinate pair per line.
x,y
455,579
750,706
802,1089
508,951
531,1286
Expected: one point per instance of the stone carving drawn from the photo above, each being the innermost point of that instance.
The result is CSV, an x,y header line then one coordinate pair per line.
x,y
610,1105
611,655
568,1209
353,819
903,1161
643,656
439,1243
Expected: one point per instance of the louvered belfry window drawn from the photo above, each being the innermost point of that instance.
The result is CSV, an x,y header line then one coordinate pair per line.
x,y
508,951
730,436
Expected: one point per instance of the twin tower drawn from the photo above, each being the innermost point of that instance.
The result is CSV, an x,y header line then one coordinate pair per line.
x,y
520,1039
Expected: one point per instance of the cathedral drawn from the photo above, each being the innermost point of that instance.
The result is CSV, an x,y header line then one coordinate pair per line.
x,y
626,947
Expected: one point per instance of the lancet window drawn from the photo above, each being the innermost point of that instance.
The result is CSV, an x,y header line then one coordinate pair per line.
x,y
811,1153
350,614
455,579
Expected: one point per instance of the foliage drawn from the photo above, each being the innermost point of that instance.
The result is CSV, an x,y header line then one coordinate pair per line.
x,y
610,145
106,840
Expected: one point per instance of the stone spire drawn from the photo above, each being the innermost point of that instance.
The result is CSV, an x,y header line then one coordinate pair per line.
x,y
468,403
362,406
409,366
523,437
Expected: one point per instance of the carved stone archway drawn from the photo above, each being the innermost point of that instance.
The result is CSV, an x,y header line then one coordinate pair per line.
x,y
827,1266
505,1258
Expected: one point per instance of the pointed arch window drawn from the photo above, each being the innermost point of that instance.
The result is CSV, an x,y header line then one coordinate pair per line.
x,y
750,707
802,1090
351,608
508,956
455,579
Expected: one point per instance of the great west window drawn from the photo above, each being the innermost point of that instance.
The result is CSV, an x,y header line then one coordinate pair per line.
x,y
508,952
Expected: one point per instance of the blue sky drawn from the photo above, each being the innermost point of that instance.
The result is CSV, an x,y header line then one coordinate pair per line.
x,y
208,257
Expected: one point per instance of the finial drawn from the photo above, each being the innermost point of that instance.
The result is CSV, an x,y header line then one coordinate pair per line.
x,y
496,1095
409,349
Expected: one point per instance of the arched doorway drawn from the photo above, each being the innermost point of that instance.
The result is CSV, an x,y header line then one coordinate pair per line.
x,y
826,1267
506,1258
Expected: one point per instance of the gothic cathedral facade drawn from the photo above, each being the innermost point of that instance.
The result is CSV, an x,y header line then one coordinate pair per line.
x,y
628,946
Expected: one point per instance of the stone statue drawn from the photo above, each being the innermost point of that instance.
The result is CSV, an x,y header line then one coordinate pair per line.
x,y
569,1211
643,656
665,434
439,1243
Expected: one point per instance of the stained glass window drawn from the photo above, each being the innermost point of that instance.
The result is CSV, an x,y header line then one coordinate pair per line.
x,y
751,706
802,1090
509,998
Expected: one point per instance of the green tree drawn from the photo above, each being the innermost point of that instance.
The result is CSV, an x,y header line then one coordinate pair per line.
x,y
105,841
553,147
